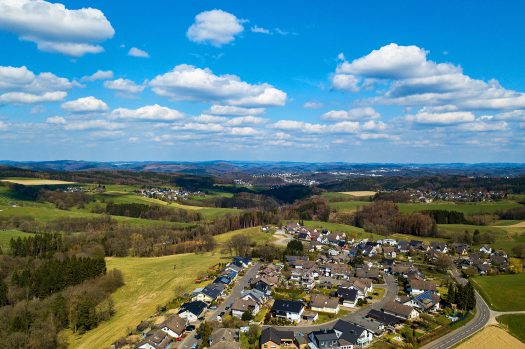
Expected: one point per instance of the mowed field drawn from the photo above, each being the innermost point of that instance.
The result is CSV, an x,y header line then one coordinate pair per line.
x,y
363,193
492,337
502,292
32,181
515,324
150,282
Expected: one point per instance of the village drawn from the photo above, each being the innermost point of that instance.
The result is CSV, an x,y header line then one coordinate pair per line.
x,y
333,293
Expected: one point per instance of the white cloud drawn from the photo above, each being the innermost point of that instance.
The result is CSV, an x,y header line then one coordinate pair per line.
x,y
29,98
85,104
481,126
206,118
260,30
3,126
186,82
377,136
351,114
312,105
215,27
305,127
98,75
241,120
54,28
413,80
99,124
136,52
245,131
206,127
233,110
57,120
447,118
123,85
20,85
374,125
106,134
345,82
147,113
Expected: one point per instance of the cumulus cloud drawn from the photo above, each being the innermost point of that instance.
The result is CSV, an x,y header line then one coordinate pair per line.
x,y
215,27
206,118
200,127
98,75
414,80
378,136
351,114
124,86
241,120
56,120
54,28
245,131
98,124
233,110
186,82
29,98
448,118
21,86
85,105
137,52
147,113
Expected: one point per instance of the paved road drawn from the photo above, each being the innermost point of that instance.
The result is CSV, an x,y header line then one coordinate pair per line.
x,y
480,320
235,293
391,289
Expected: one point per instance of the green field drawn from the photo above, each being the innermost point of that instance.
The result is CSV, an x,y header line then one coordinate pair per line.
x,y
255,233
502,292
515,324
342,228
150,282
7,235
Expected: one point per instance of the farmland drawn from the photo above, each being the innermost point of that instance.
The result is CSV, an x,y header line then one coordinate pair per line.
x,y
32,181
491,337
515,324
7,235
502,292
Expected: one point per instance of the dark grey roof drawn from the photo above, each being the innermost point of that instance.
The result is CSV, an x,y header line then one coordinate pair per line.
x,y
386,319
347,293
275,335
196,307
349,331
213,290
286,306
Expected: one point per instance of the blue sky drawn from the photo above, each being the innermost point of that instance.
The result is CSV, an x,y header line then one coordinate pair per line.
x,y
347,81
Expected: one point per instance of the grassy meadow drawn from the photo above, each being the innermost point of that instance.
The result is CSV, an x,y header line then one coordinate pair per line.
x,y
502,292
515,324
7,235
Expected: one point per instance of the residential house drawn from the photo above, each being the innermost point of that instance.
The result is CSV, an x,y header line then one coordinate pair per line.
x,y
242,262
400,310
255,295
327,339
209,293
158,340
348,296
224,338
417,286
174,326
460,249
289,310
272,338
356,335
485,249
324,304
241,306
223,279
427,301
389,252
192,311
439,246
385,318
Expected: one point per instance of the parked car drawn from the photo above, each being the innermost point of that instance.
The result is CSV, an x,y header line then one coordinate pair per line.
x,y
195,346
190,328
213,307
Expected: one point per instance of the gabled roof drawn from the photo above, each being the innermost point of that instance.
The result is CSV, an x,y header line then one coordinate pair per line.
x,y
175,323
322,301
349,331
384,318
275,335
347,293
422,285
196,307
286,306
397,309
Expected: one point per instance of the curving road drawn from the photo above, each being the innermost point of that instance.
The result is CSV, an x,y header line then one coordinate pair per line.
x,y
480,320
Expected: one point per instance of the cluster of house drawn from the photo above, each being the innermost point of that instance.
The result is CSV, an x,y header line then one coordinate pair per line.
x,y
167,194
176,325
456,196
75,190
484,261
343,335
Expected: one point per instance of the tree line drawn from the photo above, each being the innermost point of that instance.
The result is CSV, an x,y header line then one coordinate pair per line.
x,y
152,212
